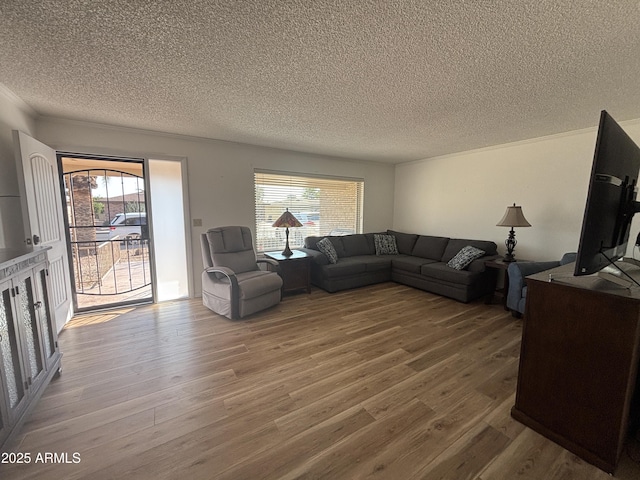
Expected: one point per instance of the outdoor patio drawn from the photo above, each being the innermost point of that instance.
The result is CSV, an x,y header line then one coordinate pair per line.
x,y
129,279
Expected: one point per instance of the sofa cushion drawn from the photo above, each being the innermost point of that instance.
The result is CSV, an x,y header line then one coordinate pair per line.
x,y
358,244
326,247
344,267
444,273
409,263
311,242
457,244
464,257
404,241
385,244
377,263
430,247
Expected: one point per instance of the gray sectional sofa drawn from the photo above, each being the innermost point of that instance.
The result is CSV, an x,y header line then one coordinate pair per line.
x,y
421,262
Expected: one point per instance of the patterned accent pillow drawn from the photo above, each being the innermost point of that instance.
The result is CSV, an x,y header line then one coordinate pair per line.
x,y
326,247
464,257
385,244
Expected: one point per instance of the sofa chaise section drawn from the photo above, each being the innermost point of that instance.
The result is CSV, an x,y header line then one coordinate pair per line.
x,y
436,276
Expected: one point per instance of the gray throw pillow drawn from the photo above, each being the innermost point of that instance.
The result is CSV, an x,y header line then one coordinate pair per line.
x,y
464,257
385,244
326,247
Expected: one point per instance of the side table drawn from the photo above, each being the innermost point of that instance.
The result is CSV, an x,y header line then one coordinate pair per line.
x,y
501,293
295,270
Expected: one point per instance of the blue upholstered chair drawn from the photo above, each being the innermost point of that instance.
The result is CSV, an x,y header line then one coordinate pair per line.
x,y
517,271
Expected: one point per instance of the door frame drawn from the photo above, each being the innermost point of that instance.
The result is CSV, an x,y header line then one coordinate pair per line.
x,y
110,153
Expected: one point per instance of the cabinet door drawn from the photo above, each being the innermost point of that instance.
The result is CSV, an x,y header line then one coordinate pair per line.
x,y
29,329
43,311
4,413
11,373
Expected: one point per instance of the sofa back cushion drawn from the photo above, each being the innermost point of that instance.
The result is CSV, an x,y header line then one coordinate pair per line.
x,y
404,241
457,244
358,244
311,241
346,245
430,247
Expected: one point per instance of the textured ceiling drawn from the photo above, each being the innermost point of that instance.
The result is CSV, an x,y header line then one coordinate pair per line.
x,y
385,80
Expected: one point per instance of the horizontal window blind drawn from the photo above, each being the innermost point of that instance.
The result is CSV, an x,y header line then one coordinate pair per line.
x,y
324,206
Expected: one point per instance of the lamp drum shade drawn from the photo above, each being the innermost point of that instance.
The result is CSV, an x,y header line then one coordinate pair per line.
x,y
513,217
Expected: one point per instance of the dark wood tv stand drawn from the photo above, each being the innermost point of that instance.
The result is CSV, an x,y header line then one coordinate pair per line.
x,y
579,364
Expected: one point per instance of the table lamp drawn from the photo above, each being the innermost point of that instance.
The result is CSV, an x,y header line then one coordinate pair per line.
x,y
512,218
286,221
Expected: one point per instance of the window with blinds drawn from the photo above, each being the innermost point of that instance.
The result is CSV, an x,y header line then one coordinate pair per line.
x,y
323,205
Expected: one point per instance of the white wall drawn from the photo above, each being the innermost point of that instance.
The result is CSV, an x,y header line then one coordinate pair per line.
x,y
466,194
14,115
220,174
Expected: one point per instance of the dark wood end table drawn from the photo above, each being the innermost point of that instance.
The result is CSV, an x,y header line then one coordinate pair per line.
x,y
295,270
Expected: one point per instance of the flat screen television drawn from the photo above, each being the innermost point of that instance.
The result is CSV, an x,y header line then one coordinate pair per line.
x,y
611,200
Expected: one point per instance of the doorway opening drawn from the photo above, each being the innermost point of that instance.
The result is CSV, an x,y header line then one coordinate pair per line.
x,y
109,239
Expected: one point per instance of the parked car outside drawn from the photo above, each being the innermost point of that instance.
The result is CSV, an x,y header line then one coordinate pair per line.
x,y
125,226
308,219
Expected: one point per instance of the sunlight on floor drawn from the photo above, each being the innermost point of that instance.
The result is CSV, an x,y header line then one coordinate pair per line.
x,y
97,317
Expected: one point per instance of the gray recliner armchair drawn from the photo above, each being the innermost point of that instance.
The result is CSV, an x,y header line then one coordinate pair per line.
x,y
233,284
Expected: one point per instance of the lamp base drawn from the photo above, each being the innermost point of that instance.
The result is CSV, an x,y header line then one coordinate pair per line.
x,y
287,251
510,243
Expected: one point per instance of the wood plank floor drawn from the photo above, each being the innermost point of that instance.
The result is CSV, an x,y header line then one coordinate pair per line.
x,y
381,382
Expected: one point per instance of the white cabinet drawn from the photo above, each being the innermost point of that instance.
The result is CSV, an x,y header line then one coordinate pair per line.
x,y
13,379
29,354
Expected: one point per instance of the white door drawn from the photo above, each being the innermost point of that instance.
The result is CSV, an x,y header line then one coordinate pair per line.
x,y
42,215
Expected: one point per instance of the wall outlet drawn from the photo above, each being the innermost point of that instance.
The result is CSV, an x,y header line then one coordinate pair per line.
x,y
197,222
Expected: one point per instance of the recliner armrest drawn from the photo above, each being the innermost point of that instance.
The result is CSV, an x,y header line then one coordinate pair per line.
x,y
233,281
269,261
220,272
